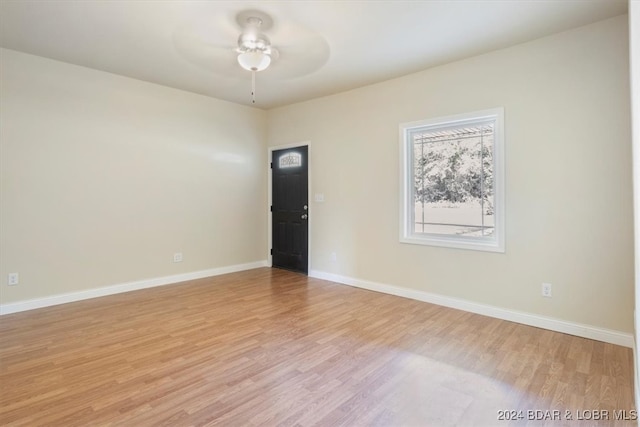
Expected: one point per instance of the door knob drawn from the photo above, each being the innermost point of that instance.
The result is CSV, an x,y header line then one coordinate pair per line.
x,y
304,216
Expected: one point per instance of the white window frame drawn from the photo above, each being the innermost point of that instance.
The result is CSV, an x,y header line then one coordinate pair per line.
x,y
494,243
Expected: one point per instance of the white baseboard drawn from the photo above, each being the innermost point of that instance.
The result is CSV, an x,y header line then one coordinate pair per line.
x,y
123,287
571,328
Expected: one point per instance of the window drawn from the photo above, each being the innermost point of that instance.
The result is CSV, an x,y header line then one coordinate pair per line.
x,y
452,179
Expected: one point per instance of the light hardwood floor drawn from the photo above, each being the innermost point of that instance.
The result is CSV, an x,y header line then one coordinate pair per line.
x,y
271,347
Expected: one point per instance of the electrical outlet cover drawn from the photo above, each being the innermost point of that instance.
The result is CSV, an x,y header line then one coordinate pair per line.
x,y
13,279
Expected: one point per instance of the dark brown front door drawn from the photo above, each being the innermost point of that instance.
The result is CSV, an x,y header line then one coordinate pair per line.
x,y
290,209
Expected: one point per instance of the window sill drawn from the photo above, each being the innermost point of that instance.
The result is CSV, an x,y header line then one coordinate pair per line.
x,y
456,243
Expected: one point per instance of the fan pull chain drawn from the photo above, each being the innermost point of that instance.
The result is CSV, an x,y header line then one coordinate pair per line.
x,y
253,86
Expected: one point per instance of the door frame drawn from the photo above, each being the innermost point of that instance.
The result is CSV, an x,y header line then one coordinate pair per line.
x,y
270,199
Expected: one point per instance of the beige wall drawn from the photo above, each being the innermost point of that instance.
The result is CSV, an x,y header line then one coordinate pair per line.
x,y
568,188
104,177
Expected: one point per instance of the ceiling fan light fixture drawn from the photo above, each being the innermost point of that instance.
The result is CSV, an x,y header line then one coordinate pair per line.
x,y
254,60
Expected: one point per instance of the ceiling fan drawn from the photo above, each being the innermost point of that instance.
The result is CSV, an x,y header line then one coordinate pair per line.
x,y
254,48
284,48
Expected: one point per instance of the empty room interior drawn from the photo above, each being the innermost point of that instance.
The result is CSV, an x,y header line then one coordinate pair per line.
x,y
349,213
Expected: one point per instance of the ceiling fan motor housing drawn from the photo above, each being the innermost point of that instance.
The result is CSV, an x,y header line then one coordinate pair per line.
x,y
254,48
251,39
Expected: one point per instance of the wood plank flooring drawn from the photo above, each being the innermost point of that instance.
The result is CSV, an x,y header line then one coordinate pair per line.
x,y
268,347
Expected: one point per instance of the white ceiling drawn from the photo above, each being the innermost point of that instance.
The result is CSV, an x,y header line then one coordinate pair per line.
x,y
326,46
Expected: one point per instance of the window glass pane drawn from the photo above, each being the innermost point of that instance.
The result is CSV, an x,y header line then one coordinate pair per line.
x,y
453,180
290,160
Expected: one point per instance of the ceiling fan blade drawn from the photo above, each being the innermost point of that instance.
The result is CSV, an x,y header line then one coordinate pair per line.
x,y
211,48
305,55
